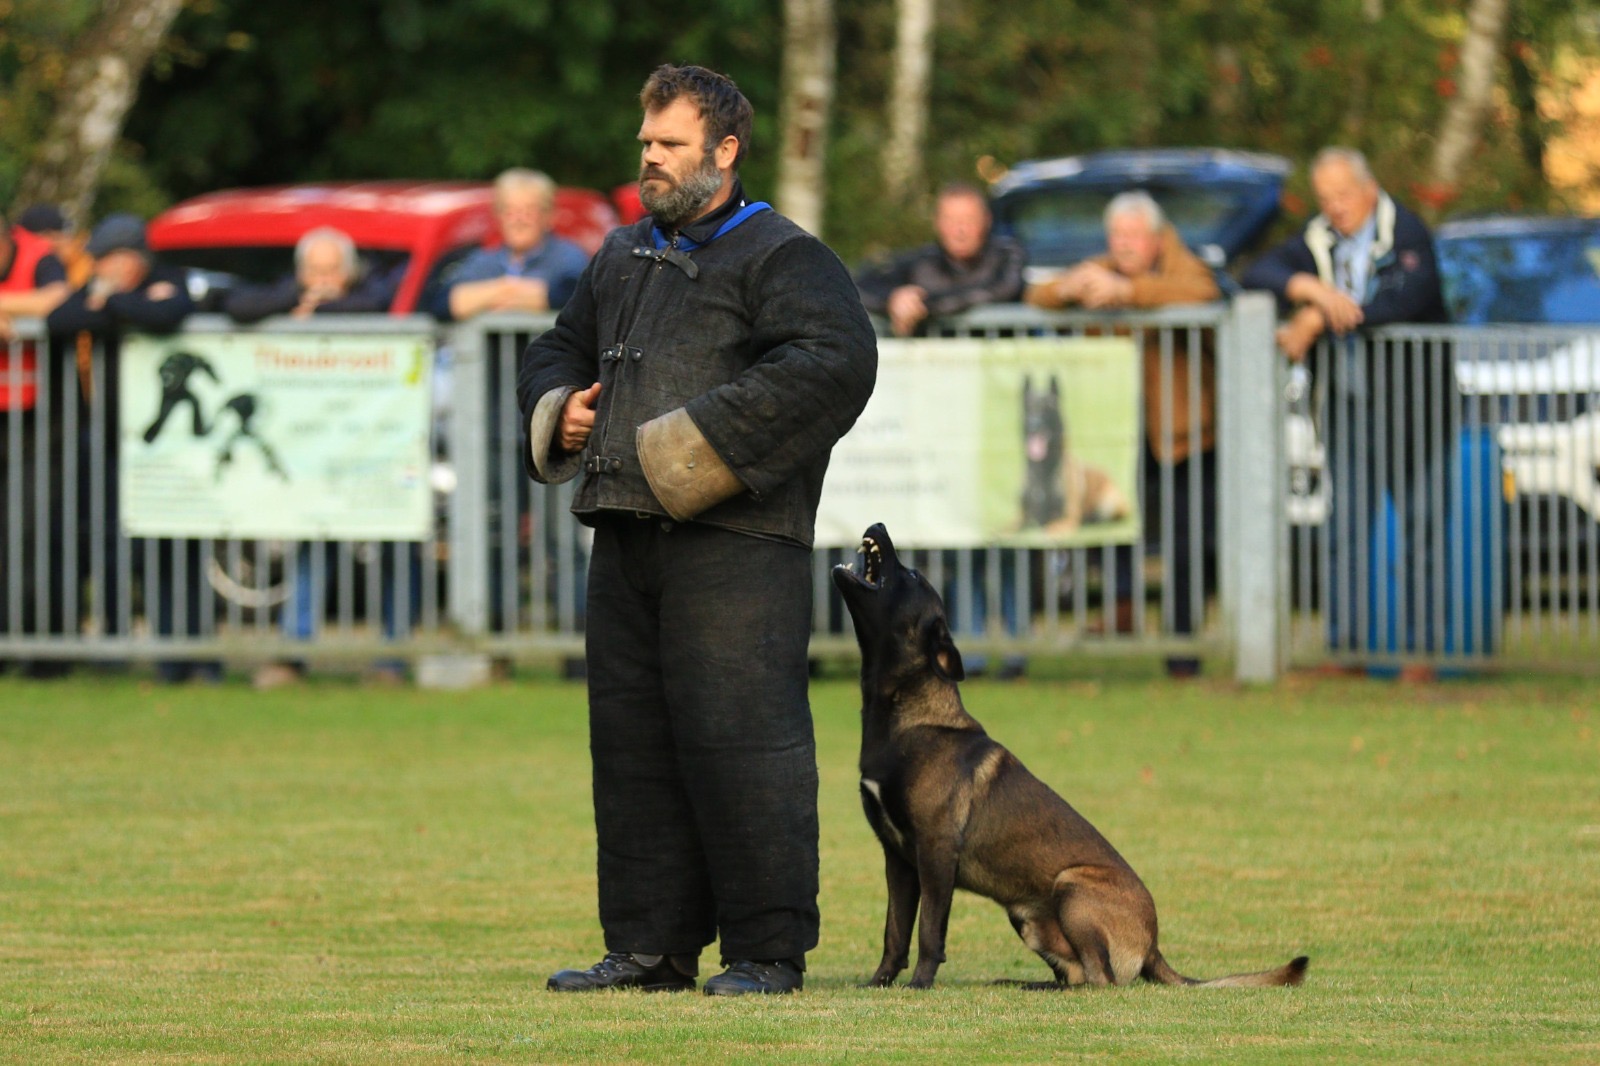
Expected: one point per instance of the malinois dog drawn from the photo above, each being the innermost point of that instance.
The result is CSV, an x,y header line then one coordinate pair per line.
x,y
1060,492
954,809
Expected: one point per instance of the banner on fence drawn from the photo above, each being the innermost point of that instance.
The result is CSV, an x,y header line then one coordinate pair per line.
x,y
286,436
1028,442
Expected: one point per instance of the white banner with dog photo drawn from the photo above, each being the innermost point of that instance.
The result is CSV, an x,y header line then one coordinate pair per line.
x,y
1030,442
285,436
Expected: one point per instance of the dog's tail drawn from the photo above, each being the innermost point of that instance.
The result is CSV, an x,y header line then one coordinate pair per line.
x,y
1157,971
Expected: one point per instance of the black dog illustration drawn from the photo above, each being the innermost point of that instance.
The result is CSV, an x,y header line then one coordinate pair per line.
x,y
244,406
1059,493
954,809
175,371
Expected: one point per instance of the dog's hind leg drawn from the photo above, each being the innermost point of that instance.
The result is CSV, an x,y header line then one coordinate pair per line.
x,y
1042,933
1109,922
902,912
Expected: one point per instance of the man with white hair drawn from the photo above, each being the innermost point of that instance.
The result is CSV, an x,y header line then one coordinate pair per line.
x,y
532,269
1147,265
327,280
1366,261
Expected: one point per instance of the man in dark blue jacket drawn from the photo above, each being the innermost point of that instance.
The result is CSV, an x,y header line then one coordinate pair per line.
x,y
129,292
1367,261
696,382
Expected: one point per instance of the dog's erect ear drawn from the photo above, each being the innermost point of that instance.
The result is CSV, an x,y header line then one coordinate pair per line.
x,y
942,653
1055,386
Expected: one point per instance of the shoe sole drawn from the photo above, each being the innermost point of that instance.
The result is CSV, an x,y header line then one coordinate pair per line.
x,y
551,986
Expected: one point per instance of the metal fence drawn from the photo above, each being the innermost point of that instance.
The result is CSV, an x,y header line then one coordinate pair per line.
x,y
1415,493
74,585
1446,489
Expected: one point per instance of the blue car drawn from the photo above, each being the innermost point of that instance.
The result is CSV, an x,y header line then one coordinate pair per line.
x,y
1539,388
1221,201
1506,269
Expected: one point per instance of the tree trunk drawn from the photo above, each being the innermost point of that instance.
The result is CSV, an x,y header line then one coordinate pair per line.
x,y
1458,133
100,84
903,167
809,62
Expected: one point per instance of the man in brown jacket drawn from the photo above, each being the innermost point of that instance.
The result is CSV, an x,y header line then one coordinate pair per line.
x,y
1146,265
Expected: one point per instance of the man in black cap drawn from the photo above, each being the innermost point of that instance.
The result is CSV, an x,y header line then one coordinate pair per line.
x,y
129,291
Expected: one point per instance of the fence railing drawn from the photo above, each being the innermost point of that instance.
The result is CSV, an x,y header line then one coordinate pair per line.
x,y
1447,488
1444,511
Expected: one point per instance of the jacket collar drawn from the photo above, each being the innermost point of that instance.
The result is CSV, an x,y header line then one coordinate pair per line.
x,y
1321,237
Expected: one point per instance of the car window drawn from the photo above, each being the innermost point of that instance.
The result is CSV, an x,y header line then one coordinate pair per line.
x,y
1551,277
1064,225
262,264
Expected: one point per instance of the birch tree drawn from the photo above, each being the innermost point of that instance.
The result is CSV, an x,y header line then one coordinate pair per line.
x,y
903,164
1463,118
99,86
809,60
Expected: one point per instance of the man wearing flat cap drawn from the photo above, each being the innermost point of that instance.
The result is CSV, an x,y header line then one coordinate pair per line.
x,y
129,291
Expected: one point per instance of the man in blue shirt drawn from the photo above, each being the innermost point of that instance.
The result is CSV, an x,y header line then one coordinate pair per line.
x,y
532,270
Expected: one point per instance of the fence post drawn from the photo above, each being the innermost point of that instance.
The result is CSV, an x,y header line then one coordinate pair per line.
x,y
468,446
1251,552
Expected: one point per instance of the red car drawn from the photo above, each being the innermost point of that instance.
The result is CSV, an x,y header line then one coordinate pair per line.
x,y
416,228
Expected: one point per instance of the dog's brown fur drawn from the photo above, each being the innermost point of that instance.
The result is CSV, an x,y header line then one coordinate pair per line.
x,y
954,809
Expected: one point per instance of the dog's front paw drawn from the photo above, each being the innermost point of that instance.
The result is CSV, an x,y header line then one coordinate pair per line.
x,y
882,979
921,983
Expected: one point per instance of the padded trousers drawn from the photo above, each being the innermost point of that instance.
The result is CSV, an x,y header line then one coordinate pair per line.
x,y
705,765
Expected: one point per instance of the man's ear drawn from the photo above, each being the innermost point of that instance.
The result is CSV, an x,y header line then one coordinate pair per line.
x,y
727,151
942,653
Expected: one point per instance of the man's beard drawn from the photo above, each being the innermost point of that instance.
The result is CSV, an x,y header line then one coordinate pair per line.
x,y
683,200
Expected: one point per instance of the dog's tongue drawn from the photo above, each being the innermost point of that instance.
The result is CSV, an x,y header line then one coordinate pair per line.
x,y
1037,447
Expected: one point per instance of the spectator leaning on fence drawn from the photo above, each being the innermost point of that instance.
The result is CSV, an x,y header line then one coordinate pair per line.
x,y
48,221
32,284
327,280
129,292
1146,265
33,280
965,267
1367,261
532,270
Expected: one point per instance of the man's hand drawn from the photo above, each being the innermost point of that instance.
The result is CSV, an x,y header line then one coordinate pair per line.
x,y
1340,313
1100,288
1296,336
906,309
577,419
312,297
521,294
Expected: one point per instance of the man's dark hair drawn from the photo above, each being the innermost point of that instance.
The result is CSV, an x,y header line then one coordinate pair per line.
x,y
723,108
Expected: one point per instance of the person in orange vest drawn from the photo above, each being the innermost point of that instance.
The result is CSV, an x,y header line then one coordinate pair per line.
x,y
47,221
32,283
33,280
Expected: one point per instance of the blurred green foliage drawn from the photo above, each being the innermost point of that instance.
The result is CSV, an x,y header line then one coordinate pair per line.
x,y
250,93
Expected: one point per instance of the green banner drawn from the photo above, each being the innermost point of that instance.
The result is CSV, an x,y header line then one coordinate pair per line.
x,y
285,436
1028,442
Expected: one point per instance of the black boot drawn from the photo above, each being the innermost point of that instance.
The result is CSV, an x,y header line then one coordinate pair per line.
x,y
619,969
769,977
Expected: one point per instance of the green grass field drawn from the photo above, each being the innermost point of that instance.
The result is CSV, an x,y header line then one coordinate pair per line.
x,y
350,875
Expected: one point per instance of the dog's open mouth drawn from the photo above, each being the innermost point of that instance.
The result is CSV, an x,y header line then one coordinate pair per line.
x,y
871,568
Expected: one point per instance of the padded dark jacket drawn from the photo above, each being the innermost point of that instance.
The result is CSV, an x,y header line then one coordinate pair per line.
x,y
766,346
